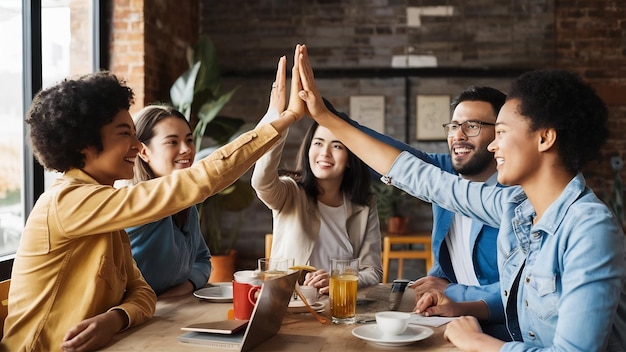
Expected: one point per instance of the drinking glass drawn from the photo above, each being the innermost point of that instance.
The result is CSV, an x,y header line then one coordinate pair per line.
x,y
271,268
343,288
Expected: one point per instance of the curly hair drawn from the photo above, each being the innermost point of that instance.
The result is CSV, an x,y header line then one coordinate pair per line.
x,y
560,99
66,118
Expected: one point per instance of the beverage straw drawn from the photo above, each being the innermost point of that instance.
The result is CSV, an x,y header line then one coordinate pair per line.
x,y
308,307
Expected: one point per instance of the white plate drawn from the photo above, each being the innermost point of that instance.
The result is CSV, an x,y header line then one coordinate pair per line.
x,y
217,293
297,306
224,283
373,334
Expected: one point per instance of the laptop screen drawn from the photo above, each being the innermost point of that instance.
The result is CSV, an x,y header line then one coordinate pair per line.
x,y
265,321
269,311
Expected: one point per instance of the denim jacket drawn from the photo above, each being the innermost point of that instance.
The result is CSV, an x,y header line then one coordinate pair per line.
x,y
572,261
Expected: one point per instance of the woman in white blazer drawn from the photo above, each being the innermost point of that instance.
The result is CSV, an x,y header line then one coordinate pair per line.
x,y
324,209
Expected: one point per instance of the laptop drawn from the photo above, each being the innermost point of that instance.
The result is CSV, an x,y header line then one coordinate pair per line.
x,y
265,321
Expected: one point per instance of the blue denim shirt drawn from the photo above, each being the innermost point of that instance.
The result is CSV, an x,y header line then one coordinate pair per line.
x,y
572,261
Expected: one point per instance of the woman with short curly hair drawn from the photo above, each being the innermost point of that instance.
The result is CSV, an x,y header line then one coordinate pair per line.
x,y
74,282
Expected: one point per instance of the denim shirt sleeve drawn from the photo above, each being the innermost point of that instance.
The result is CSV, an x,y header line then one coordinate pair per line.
x,y
436,270
490,294
429,183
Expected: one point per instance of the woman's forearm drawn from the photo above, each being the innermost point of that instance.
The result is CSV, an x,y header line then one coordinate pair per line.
x,y
378,155
285,120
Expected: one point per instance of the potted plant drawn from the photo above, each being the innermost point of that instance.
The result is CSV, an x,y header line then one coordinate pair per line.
x,y
389,201
196,93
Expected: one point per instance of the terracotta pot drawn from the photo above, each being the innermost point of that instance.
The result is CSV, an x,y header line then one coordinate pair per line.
x,y
397,225
223,267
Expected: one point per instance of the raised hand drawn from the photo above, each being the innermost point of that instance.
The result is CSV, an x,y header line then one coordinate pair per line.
x,y
296,108
378,155
296,105
278,98
310,93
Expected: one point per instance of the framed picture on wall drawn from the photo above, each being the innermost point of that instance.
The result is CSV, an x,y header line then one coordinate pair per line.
x,y
369,110
432,112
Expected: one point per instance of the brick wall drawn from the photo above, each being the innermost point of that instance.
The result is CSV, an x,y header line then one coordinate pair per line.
x,y
148,44
591,40
586,36
345,33
370,34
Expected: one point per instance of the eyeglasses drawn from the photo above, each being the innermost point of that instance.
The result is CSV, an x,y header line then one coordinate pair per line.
x,y
469,128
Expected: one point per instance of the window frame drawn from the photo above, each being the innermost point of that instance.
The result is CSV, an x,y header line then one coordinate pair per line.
x,y
32,83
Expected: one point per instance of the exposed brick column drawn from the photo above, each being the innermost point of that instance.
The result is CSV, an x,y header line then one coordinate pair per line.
x,y
148,44
126,46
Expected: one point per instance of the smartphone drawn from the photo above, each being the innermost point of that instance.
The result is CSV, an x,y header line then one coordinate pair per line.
x,y
397,290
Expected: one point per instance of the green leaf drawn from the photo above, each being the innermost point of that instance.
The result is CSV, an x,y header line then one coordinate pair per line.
x,y
209,78
223,129
206,117
182,90
388,200
239,196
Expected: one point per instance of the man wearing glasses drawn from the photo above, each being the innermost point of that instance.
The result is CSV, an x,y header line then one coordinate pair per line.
x,y
465,261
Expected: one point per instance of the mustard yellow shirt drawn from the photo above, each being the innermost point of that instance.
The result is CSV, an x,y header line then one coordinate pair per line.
x,y
74,260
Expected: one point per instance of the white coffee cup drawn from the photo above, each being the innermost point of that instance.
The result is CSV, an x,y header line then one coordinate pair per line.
x,y
392,323
246,276
310,293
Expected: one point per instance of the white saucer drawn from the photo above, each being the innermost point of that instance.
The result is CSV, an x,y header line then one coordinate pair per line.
x,y
373,334
223,283
297,306
218,293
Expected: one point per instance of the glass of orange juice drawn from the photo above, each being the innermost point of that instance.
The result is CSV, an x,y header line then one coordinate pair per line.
x,y
342,289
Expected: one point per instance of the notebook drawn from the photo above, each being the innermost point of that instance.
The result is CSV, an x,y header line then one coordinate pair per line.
x,y
218,327
265,321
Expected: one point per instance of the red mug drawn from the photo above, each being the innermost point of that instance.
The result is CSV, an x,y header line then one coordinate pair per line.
x,y
244,299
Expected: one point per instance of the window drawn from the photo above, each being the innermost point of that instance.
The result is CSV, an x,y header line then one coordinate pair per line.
x,y
11,140
68,47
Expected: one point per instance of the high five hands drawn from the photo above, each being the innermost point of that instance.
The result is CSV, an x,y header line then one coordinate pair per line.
x,y
309,92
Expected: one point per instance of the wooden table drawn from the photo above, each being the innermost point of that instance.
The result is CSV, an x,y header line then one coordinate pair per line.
x,y
159,334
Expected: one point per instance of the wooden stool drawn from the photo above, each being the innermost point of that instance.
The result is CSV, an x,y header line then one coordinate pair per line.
x,y
268,245
388,253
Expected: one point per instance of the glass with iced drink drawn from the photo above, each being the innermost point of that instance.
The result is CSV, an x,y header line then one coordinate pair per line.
x,y
342,290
